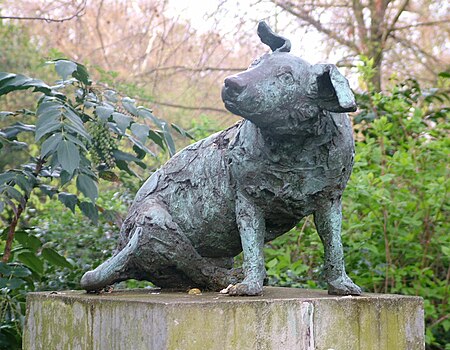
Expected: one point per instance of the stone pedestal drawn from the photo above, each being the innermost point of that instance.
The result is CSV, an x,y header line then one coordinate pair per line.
x,y
281,319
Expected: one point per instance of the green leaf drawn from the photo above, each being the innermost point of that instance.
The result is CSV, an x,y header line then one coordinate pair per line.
x,y
72,115
65,68
48,190
169,140
11,283
141,131
6,177
76,141
108,175
104,112
50,145
49,116
127,157
56,125
446,250
87,186
157,139
181,131
14,270
32,261
28,241
54,258
90,210
147,113
129,105
122,121
14,82
69,200
81,74
68,156
11,132
13,193
4,114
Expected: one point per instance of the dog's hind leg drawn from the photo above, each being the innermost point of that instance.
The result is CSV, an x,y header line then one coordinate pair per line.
x,y
160,252
328,220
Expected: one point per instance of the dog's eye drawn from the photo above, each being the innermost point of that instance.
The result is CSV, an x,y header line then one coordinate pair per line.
x,y
286,78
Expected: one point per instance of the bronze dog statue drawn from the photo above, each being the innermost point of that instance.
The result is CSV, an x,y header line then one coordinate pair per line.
x,y
244,186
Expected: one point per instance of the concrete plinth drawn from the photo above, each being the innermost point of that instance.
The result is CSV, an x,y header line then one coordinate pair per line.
x,y
281,319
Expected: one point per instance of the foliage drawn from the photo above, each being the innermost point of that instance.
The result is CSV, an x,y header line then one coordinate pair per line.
x,y
77,135
395,227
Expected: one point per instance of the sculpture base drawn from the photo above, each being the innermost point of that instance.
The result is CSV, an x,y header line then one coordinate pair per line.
x,y
283,318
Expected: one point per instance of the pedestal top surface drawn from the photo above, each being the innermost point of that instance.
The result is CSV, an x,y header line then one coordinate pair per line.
x,y
157,296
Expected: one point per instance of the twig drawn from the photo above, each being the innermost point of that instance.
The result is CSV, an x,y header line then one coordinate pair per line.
x,y
77,14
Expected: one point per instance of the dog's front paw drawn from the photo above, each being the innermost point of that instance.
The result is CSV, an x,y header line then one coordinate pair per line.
x,y
246,288
343,285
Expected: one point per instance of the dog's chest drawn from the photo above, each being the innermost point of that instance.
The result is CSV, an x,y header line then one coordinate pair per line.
x,y
287,177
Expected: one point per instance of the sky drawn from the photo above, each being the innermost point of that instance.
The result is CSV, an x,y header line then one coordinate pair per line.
x,y
196,12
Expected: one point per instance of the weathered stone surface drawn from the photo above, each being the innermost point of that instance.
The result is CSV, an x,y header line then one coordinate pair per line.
x,y
282,318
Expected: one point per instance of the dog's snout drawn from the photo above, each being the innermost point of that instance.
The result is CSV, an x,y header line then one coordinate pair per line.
x,y
235,84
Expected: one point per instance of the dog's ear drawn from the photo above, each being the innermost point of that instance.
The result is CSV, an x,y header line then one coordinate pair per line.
x,y
276,42
331,89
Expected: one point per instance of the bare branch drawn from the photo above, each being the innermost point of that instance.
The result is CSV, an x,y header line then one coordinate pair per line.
x,y
422,24
79,12
305,16
361,27
395,20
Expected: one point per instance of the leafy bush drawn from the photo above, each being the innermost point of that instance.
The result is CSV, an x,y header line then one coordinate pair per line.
x,y
78,134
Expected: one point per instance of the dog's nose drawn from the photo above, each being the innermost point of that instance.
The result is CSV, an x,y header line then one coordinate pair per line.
x,y
235,84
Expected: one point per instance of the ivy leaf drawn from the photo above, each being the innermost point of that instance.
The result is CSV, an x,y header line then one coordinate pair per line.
x,y
69,200
68,156
54,258
87,186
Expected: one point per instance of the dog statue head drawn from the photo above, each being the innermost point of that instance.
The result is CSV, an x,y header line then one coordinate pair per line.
x,y
279,92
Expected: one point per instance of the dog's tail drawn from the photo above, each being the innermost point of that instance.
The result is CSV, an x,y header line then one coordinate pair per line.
x,y
114,269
